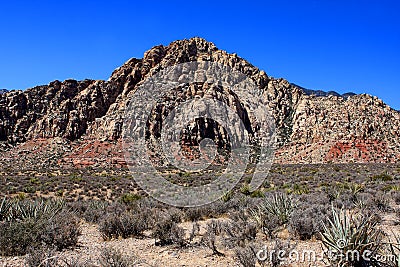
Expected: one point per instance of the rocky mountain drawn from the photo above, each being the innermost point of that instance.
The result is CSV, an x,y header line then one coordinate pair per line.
x,y
80,122
2,91
323,93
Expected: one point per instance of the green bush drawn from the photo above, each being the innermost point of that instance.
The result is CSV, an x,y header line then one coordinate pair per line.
x,y
130,198
384,177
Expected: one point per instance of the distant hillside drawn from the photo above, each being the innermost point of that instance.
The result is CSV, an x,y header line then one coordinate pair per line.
x,y
323,93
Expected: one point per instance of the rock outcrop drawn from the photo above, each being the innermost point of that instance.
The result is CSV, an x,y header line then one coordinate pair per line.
x,y
311,127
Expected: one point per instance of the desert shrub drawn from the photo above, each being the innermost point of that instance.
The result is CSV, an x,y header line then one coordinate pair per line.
x,y
384,177
396,197
209,238
307,222
348,232
42,256
33,223
344,201
355,189
195,231
239,230
16,237
74,262
257,193
192,214
123,225
94,211
245,189
313,198
266,223
216,209
279,205
118,221
167,232
212,210
381,202
91,211
61,231
364,201
129,198
110,257
333,192
298,189
247,256
174,214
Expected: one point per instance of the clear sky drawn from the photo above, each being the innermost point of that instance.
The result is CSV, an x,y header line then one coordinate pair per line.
x,y
323,44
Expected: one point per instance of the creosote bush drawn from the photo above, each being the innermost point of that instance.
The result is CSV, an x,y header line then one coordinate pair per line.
x,y
167,232
214,229
396,198
239,230
110,257
122,225
16,237
42,256
307,222
62,231
247,256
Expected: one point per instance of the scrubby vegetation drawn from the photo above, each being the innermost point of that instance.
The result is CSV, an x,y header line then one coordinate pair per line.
x,y
324,204
30,224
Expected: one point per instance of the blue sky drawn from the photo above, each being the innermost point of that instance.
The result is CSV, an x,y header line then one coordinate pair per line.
x,y
328,45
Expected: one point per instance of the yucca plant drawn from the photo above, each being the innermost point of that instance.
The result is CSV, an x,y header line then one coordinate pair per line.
x,y
22,210
5,207
393,250
350,236
279,205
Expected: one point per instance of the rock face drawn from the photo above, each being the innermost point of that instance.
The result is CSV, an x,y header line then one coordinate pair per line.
x,y
311,127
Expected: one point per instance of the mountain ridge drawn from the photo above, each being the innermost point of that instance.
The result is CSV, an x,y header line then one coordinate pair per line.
x,y
323,93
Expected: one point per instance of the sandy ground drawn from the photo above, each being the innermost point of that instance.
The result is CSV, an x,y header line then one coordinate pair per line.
x,y
144,252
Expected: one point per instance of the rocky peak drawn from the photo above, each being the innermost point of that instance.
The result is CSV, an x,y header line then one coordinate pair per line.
x,y
310,128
